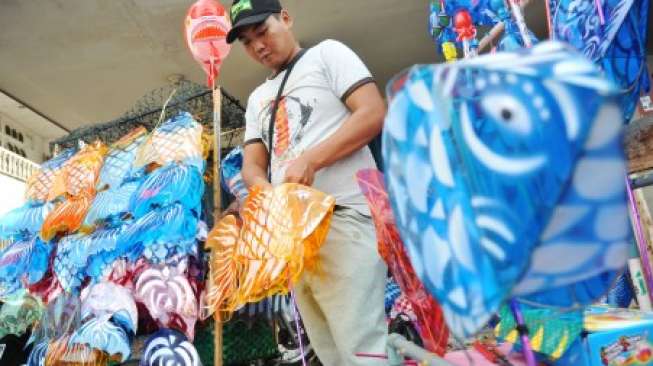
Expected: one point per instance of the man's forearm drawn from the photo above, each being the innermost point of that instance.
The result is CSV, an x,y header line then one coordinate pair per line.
x,y
254,175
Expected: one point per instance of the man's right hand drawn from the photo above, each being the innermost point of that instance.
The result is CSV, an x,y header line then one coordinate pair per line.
x,y
232,209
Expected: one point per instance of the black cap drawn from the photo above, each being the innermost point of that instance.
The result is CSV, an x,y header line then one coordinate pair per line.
x,y
248,12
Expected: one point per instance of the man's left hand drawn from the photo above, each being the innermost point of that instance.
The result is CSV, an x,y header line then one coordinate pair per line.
x,y
300,170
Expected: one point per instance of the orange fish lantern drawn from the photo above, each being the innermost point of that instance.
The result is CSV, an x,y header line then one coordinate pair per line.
x,y
76,183
279,236
206,27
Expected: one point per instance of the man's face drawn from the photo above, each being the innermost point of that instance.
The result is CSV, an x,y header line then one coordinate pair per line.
x,y
270,42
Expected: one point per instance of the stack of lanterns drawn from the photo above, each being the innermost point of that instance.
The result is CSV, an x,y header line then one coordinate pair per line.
x,y
122,232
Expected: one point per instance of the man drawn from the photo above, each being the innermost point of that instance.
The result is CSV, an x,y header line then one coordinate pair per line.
x,y
328,112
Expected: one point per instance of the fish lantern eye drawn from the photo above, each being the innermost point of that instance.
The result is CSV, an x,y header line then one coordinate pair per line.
x,y
508,112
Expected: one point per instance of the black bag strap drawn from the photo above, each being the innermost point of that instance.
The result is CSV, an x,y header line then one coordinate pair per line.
x,y
275,107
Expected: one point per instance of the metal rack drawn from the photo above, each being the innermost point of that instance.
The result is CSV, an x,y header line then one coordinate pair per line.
x,y
183,95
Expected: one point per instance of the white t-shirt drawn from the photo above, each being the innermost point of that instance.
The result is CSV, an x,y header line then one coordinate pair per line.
x,y
311,109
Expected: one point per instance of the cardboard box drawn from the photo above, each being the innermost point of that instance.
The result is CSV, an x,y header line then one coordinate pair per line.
x,y
617,337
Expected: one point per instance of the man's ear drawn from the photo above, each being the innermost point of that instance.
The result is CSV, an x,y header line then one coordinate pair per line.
x,y
286,18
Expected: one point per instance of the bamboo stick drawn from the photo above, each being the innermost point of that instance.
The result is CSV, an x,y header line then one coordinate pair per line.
x,y
217,206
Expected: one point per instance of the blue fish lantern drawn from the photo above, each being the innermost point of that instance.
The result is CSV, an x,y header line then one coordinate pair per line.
x,y
25,220
23,261
37,355
111,205
506,176
173,183
79,256
119,162
614,38
102,333
232,178
511,39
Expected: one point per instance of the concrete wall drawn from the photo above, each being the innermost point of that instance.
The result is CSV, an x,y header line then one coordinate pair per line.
x,y
33,144
12,192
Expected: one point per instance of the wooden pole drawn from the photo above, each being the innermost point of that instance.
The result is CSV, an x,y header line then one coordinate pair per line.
x,y
217,206
496,31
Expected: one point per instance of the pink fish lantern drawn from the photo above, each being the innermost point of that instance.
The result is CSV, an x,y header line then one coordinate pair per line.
x,y
206,27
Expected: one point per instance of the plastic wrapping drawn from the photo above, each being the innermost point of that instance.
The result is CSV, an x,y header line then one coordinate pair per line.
x,y
162,252
100,226
37,356
103,251
75,183
80,256
48,288
617,44
61,353
232,178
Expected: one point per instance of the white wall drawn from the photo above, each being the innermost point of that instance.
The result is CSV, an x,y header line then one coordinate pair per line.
x,y
31,145
12,192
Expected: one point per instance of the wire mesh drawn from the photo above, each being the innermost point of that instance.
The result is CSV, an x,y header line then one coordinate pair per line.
x,y
184,96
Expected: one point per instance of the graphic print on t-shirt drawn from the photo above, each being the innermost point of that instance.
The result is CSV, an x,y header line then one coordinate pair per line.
x,y
281,129
292,117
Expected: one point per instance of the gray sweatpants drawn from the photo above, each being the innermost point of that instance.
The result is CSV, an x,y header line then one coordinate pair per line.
x,y
342,307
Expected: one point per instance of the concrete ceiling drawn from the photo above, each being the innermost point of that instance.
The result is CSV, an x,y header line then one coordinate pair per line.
x,y
78,62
